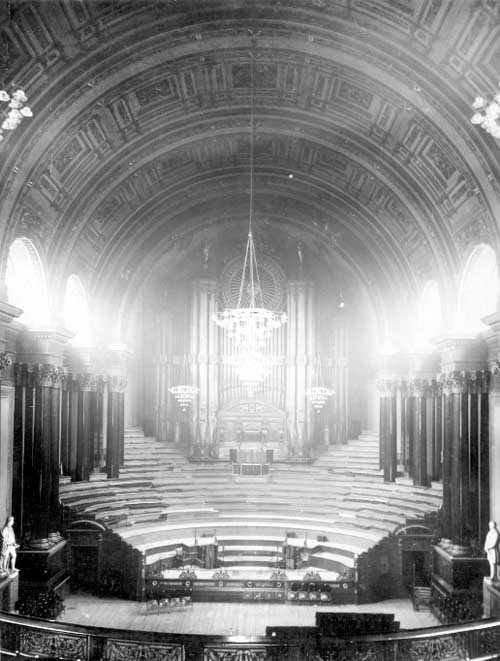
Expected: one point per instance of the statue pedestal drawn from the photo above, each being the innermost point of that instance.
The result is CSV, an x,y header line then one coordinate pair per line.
x,y
9,591
491,598
43,570
457,585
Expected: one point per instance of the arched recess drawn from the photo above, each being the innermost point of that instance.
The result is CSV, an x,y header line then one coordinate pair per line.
x,y
26,283
479,289
76,311
429,318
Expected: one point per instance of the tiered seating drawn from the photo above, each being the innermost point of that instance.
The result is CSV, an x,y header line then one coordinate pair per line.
x,y
338,508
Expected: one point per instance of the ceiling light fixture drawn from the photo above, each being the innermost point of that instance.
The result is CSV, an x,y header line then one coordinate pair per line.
x,y
487,113
250,324
12,110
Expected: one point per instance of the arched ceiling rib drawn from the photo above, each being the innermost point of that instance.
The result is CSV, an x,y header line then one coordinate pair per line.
x,y
142,107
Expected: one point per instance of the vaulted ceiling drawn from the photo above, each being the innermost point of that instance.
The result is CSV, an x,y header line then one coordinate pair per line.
x,y
137,157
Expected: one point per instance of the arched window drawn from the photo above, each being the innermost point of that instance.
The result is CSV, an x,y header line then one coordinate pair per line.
x,y
428,322
26,284
76,314
478,295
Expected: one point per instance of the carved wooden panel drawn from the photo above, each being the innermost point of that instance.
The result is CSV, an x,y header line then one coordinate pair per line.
x,y
125,650
50,643
354,652
445,648
489,641
228,654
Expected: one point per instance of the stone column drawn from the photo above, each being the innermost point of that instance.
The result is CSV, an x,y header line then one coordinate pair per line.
x,y
43,493
86,425
38,430
455,461
115,431
465,382
493,406
417,430
388,432
111,365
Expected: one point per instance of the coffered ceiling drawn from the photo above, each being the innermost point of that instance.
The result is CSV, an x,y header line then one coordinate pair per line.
x,y
137,158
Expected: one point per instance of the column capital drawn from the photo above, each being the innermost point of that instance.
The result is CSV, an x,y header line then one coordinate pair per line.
x,y
459,383
387,387
48,376
420,387
116,383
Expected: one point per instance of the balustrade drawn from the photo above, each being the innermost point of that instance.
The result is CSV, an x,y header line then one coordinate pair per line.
x,y
478,640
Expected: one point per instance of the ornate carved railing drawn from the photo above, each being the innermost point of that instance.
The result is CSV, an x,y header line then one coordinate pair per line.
x,y
474,641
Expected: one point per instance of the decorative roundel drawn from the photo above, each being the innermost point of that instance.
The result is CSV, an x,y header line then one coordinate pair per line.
x,y
272,285
221,584
187,583
345,586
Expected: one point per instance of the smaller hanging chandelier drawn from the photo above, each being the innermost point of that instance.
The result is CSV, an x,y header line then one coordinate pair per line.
x,y
184,393
12,110
318,394
487,113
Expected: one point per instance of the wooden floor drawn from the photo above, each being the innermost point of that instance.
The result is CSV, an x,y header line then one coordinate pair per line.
x,y
221,618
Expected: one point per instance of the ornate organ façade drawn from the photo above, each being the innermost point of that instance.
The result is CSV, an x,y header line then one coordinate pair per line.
x,y
189,347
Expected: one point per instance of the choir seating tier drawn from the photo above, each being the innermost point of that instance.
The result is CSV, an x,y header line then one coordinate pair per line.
x,y
165,513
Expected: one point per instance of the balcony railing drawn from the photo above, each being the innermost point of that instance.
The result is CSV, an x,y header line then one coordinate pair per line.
x,y
23,637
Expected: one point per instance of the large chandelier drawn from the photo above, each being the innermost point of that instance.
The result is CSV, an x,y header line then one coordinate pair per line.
x,y
487,113
250,324
12,110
